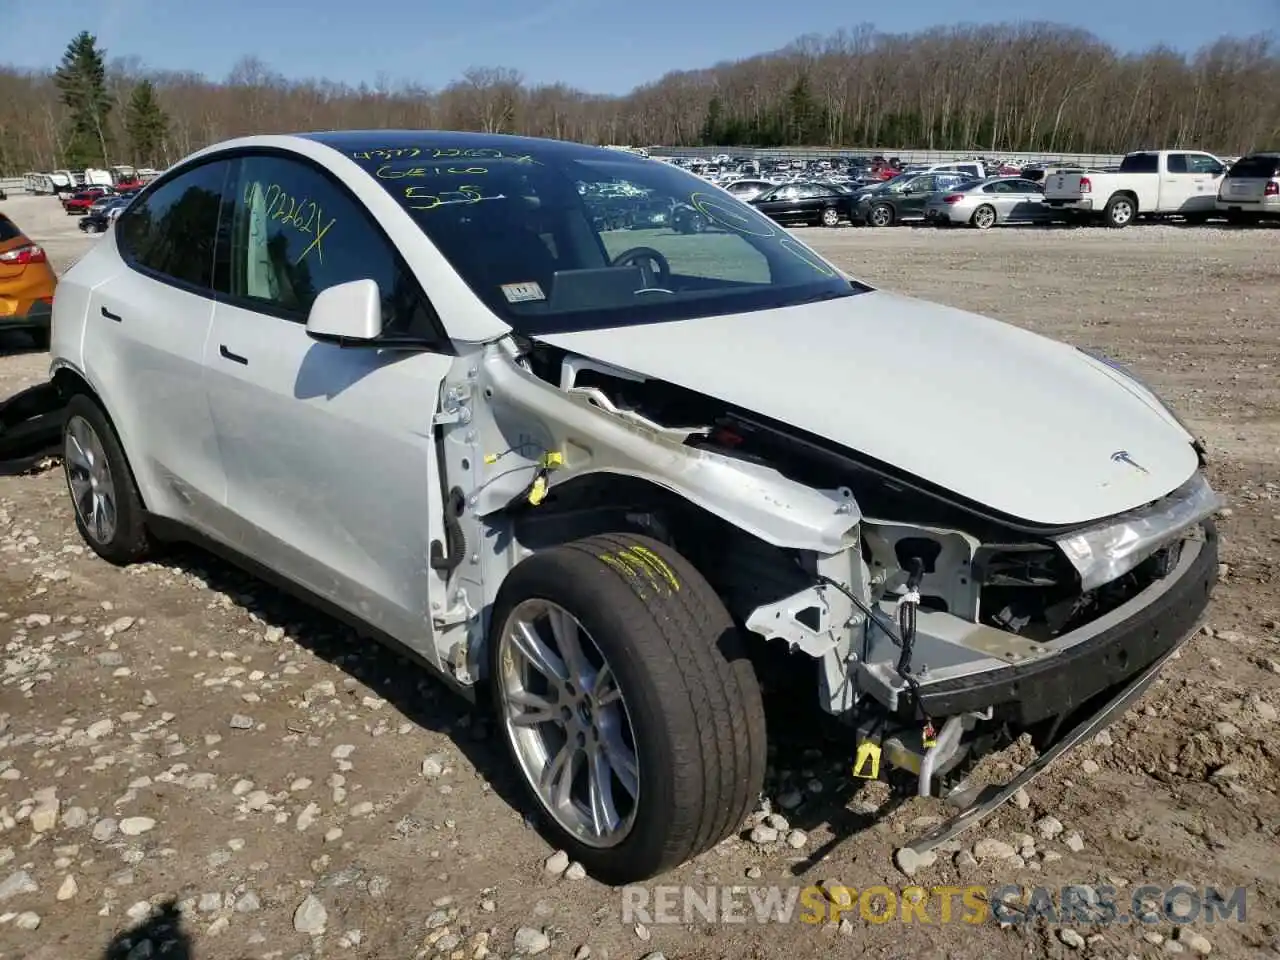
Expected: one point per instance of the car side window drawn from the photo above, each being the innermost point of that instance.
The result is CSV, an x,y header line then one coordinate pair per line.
x,y
810,191
1177,163
289,233
1027,186
170,231
1000,186
1203,163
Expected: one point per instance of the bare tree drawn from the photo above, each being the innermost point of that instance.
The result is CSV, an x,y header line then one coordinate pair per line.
x,y
1036,86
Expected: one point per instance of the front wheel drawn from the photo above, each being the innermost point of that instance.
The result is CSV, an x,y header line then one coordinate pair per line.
x,y
881,215
831,217
628,704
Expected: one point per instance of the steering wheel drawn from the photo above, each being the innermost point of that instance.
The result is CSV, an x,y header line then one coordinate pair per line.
x,y
654,267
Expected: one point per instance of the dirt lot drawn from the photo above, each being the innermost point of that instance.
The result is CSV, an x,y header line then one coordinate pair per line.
x,y
179,732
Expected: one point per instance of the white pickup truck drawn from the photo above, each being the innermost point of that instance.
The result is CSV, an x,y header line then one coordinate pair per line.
x,y
1149,183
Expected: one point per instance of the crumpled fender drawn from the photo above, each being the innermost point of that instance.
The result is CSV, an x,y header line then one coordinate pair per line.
x,y
593,439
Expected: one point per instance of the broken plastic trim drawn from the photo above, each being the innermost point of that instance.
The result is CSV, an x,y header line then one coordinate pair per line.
x,y
977,802
1108,550
31,424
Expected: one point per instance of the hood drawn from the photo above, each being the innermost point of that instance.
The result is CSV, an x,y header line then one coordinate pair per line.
x,y
1021,424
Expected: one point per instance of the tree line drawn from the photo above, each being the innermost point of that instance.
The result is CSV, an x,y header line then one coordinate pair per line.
x,y
1023,87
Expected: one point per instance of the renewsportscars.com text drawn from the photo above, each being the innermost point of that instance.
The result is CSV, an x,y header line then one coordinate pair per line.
x,y
975,904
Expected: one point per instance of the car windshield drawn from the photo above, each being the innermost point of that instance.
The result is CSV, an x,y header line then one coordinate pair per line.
x,y
569,240
7,230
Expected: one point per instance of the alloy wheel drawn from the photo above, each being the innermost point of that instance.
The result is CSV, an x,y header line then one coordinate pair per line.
x,y
566,717
89,477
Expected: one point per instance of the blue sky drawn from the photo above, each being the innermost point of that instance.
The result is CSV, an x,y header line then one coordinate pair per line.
x,y
604,46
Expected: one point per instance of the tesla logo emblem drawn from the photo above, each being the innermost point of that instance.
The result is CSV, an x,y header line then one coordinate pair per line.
x,y
1122,456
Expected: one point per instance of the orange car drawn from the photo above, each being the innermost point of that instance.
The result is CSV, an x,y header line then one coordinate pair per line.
x,y
27,282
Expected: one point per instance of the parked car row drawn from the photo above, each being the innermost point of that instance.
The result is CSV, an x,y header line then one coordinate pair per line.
x,y
82,202
1162,183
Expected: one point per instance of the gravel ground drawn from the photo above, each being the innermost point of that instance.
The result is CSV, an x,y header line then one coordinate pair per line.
x,y
191,761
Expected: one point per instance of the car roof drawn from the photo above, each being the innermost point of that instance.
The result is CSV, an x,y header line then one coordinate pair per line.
x,y
355,141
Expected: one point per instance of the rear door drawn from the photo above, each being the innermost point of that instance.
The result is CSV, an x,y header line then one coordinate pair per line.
x,y
145,329
1179,184
780,204
1000,195
332,477
811,198
915,195
1031,206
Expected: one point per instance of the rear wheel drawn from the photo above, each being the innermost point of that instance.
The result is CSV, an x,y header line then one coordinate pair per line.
x,y
628,704
984,218
1120,212
830,217
108,508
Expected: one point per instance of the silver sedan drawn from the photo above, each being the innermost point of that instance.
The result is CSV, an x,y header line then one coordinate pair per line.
x,y
987,204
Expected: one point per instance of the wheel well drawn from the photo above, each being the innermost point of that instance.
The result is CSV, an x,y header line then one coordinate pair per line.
x,y
69,384
744,570
1128,195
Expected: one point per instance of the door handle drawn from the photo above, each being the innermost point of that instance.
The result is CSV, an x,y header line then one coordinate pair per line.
x,y
111,316
222,349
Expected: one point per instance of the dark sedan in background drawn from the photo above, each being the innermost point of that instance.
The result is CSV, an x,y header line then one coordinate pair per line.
x,y
808,202
904,197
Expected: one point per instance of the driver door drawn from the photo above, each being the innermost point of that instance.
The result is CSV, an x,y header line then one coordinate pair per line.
x,y
332,476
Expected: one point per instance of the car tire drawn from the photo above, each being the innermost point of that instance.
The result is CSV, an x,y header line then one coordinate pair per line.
x,y
830,217
1119,212
92,451
881,215
984,218
687,695
40,337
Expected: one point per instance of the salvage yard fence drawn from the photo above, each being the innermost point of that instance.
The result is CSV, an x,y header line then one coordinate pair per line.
x,y
906,156
16,185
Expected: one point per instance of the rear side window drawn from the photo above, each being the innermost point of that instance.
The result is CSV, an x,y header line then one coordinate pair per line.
x,y
171,231
1259,166
7,230
1140,163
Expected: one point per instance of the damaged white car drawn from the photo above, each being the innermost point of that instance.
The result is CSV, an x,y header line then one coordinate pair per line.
x,y
474,395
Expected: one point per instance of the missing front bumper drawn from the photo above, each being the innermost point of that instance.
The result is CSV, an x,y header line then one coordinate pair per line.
x,y
978,803
1096,658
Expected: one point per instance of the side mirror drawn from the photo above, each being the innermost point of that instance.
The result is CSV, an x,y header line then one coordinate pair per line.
x,y
349,314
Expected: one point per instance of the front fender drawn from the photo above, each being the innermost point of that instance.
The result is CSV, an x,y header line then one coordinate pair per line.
x,y
531,417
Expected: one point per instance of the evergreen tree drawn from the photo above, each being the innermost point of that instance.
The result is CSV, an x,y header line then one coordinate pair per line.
x,y
82,80
146,123
803,109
